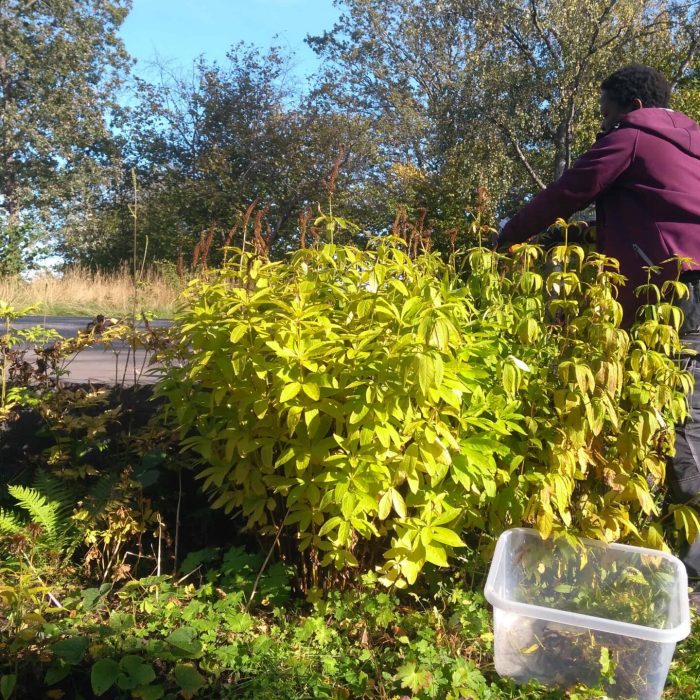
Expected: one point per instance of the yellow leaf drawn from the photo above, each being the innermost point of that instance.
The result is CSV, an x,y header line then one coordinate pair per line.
x,y
436,555
545,522
446,536
510,379
398,503
238,332
384,507
311,390
686,518
290,391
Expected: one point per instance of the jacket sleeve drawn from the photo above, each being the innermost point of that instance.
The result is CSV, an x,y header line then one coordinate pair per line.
x,y
589,176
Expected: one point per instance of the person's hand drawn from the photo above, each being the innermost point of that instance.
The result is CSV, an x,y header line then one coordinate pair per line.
x,y
497,239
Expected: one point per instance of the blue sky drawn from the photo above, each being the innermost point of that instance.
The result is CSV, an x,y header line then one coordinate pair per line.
x,y
177,31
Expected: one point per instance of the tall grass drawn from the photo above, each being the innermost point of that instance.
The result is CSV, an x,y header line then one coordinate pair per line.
x,y
82,292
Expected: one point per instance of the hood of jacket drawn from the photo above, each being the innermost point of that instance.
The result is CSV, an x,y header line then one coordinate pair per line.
x,y
666,124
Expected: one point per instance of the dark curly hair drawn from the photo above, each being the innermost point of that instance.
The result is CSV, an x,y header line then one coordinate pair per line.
x,y
637,81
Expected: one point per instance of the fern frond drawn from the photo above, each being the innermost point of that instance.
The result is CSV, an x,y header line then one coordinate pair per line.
x,y
40,509
56,490
9,522
101,493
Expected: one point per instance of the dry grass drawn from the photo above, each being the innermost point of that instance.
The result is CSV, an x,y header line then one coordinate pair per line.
x,y
80,292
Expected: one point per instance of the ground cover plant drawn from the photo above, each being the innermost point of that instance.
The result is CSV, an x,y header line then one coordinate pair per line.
x,y
348,432
158,637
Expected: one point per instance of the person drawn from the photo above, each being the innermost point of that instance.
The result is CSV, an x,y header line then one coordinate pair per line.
x,y
643,173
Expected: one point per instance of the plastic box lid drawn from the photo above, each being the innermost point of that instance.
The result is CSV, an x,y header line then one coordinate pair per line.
x,y
546,579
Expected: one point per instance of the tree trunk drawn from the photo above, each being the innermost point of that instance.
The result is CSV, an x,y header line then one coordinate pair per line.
x,y
561,150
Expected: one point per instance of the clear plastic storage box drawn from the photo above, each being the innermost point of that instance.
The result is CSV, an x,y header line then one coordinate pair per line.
x,y
599,614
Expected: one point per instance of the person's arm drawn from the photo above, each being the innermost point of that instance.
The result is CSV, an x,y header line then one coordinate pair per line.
x,y
590,175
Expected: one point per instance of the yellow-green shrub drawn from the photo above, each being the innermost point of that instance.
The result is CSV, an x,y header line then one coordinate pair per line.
x,y
381,411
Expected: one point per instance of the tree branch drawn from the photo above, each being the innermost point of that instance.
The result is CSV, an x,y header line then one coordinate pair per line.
x,y
593,48
543,35
690,56
524,49
519,151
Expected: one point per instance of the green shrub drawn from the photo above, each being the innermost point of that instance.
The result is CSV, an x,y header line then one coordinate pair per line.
x,y
382,411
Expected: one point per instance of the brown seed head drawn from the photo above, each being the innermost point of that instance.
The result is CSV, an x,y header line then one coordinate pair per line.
x,y
304,217
333,176
230,236
452,237
483,200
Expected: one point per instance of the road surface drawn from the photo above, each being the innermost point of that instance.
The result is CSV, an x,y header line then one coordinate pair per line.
x,y
96,364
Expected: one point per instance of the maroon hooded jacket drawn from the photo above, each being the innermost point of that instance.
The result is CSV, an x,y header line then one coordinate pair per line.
x,y
644,176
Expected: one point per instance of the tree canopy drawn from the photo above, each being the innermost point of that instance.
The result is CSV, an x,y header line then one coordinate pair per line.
x,y
440,109
205,146
501,93
61,64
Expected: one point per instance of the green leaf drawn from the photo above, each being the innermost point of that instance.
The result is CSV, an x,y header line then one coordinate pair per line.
x,y
347,505
56,672
9,522
188,678
103,675
293,418
329,525
7,685
399,286
411,568
435,554
398,503
411,307
384,507
185,641
440,334
309,416
260,408
150,692
438,370
237,333
447,516
426,372
287,455
415,679
383,435
510,379
71,650
40,509
606,665
140,672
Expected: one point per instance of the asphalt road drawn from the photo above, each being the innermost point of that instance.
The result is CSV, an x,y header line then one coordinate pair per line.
x,y
96,364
